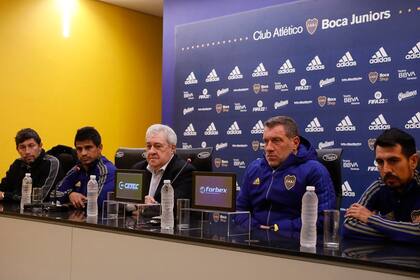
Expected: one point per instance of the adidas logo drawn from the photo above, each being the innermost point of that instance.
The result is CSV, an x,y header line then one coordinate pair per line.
x,y
286,68
346,61
414,52
380,57
191,79
345,125
314,126
235,74
234,129
190,131
315,64
212,77
211,130
258,128
260,71
414,122
379,123
346,189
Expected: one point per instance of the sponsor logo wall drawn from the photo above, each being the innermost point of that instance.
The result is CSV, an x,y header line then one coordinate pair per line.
x,y
344,72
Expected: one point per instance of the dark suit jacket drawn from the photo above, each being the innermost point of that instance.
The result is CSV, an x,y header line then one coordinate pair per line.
x,y
183,183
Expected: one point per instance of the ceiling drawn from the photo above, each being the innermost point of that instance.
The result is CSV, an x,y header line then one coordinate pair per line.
x,y
153,7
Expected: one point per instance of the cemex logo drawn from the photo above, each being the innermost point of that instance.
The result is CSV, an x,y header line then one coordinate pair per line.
x,y
258,128
234,129
380,56
191,79
213,190
211,130
314,126
212,77
235,74
260,71
379,123
128,186
286,68
315,64
414,53
346,190
414,122
346,61
190,131
345,125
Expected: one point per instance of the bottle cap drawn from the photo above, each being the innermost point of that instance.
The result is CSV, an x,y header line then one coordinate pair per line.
x,y
166,181
93,177
27,174
310,188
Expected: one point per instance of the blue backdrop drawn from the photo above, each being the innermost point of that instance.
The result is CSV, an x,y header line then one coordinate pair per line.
x,y
345,70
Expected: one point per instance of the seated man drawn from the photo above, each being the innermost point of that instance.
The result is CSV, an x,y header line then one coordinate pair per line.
x,y
163,164
45,169
390,207
91,162
273,186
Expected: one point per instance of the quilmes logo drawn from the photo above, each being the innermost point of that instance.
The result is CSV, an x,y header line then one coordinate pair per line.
x,y
379,123
314,126
303,86
234,129
213,190
286,68
345,125
407,95
349,99
188,110
258,128
260,107
380,56
222,91
281,87
128,186
414,122
414,52
191,79
325,144
190,131
311,25
211,130
280,104
260,71
235,74
315,64
407,75
205,94
221,146
378,98
346,190
326,82
212,77
346,61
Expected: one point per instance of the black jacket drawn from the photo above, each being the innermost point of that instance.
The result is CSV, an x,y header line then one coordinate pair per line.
x,y
45,172
182,184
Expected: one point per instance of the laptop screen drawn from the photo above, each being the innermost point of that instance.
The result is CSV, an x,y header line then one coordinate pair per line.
x,y
129,185
214,191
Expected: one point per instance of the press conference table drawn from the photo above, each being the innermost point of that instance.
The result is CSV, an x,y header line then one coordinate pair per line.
x,y
66,246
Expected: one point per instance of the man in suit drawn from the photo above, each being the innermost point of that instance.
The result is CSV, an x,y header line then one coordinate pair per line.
x,y
162,163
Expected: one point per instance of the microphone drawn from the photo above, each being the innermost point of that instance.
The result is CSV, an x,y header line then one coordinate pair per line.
x,y
179,172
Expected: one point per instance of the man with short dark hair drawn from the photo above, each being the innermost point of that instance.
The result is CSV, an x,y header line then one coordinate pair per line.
x,y
390,207
273,186
91,162
44,169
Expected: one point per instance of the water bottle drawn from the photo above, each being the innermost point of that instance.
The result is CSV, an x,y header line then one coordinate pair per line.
x,y
92,196
26,190
167,204
309,218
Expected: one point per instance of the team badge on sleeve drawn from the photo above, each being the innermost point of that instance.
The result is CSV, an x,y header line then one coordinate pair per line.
x,y
289,181
256,182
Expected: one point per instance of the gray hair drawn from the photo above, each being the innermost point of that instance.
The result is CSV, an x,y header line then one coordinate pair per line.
x,y
288,123
167,131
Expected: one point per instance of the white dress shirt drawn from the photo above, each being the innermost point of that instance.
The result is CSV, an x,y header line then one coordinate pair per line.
x,y
156,177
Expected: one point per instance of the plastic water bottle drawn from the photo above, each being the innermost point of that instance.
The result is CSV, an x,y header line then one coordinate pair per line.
x,y
167,204
92,196
309,218
26,190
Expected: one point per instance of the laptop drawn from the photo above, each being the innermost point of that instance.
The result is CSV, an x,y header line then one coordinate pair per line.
x,y
214,191
129,185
